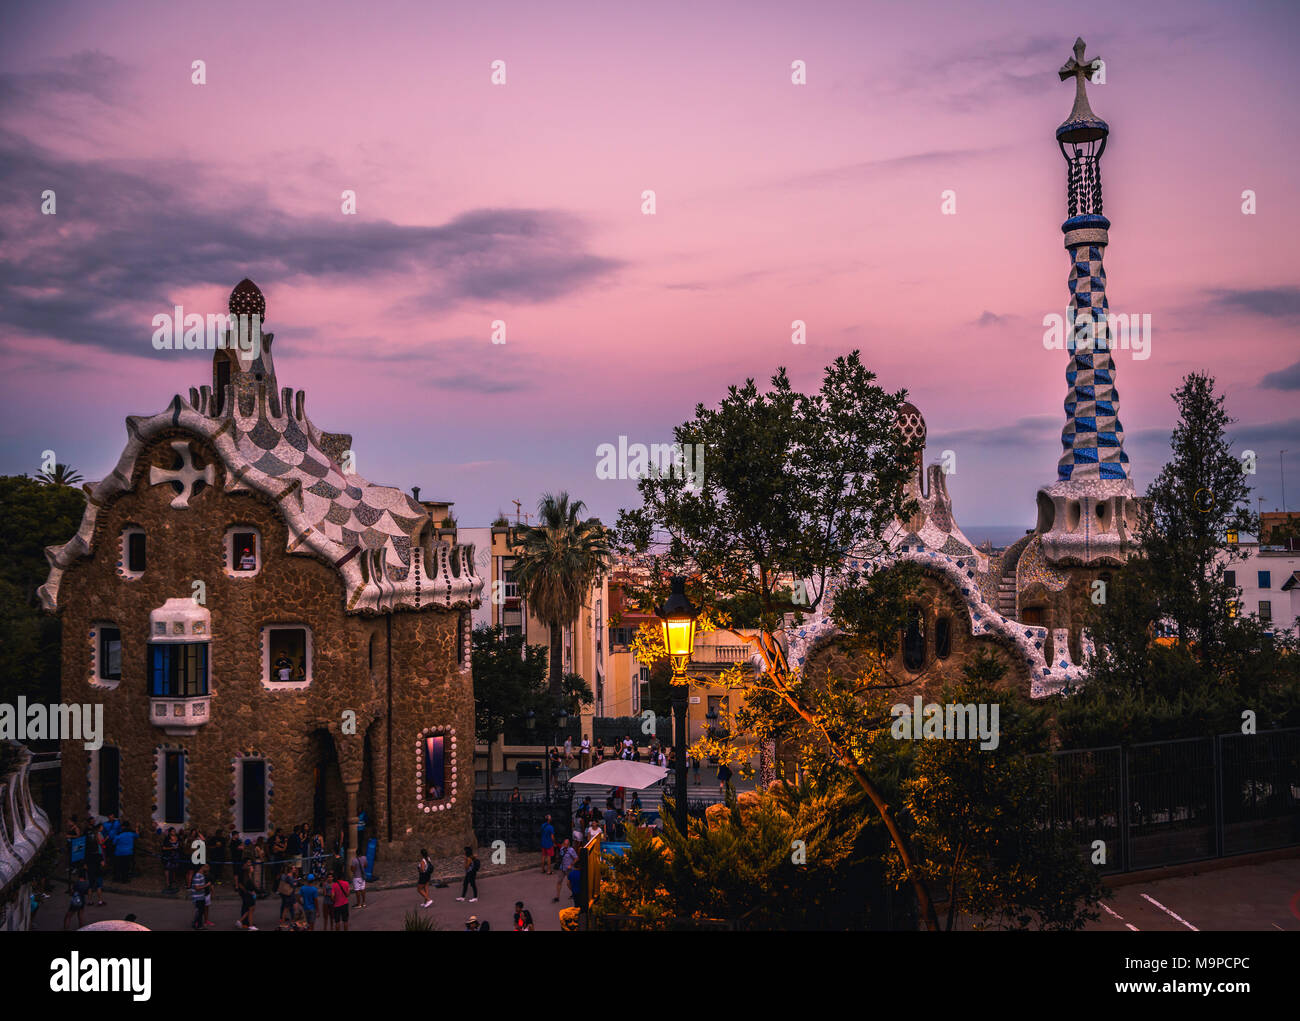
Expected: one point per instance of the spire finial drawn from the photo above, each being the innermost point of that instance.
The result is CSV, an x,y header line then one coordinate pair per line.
x,y
1082,125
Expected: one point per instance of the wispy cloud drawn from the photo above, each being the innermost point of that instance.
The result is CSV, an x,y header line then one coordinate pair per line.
x,y
139,236
1267,302
1283,379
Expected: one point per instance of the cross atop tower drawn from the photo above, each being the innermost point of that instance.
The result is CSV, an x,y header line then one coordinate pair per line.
x,y
1077,66
1082,125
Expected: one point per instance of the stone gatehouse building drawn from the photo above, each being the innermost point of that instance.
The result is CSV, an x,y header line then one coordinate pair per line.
x,y
274,639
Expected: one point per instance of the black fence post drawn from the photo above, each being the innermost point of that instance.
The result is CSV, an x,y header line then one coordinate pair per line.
x,y
1125,848
1218,796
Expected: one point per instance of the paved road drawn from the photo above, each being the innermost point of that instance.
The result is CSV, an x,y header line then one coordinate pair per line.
x,y
1249,897
385,908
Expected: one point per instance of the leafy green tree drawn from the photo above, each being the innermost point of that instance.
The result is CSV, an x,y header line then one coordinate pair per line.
x,y
976,815
792,484
1174,658
35,515
509,675
558,560
786,858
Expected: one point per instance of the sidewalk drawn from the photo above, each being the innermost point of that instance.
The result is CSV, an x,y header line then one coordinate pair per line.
x,y
150,883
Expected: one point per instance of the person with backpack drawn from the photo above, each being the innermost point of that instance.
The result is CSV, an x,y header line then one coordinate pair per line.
x,y
246,887
568,858
200,890
548,846
95,863
124,853
288,891
309,893
218,846
424,872
339,891
78,893
470,881
523,918
724,778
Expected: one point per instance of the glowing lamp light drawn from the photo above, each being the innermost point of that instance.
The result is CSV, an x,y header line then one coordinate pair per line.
x,y
678,618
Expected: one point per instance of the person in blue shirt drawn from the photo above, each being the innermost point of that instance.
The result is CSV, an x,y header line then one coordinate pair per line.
x,y
124,853
309,891
548,845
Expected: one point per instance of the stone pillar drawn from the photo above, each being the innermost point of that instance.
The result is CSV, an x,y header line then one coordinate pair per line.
x,y
350,831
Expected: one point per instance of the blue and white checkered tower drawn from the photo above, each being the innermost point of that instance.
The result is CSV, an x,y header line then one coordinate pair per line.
x,y
1085,517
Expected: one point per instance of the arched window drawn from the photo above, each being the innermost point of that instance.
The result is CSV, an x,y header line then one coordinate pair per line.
x,y
943,638
914,641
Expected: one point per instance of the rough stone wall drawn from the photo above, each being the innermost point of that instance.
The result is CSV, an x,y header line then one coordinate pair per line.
x,y
188,545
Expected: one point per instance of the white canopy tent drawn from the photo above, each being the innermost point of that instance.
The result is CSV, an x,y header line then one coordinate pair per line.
x,y
636,776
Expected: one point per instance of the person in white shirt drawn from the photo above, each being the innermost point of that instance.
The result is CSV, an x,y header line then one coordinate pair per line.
x,y
584,752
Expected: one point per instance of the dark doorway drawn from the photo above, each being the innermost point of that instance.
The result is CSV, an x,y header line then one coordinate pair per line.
x,y
329,802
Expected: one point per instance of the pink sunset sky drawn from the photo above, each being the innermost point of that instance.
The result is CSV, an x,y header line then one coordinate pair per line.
x,y
523,202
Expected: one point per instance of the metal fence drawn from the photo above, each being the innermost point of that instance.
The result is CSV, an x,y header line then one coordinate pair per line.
x,y
610,729
1169,802
519,823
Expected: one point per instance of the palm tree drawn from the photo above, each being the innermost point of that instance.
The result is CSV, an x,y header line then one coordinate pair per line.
x,y
558,560
61,475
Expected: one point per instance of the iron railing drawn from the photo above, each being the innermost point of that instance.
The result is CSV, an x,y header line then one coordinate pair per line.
x,y
1169,802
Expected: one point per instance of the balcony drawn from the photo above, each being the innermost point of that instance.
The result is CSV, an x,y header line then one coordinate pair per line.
x,y
180,716
722,653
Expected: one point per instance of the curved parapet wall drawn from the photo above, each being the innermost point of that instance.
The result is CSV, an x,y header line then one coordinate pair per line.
x,y
24,830
1048,675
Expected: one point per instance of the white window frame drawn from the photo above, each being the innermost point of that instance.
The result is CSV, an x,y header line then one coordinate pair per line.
x,y
160,786
92,781
449,763
123,553
237,795
96,681
229,543
270,685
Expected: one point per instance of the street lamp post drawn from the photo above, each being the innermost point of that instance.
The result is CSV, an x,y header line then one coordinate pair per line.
x,y
678,616
561,718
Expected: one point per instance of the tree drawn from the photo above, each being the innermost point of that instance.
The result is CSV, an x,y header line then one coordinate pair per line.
x,y
785,858
509,675
977,814
558,561
35,515
1198,498
1174,658
60,475
795,483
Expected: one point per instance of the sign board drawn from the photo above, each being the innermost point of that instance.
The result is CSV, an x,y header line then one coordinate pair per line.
x,y
77,849
589,863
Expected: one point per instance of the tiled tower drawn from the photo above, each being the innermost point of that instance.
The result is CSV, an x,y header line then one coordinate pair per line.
x,y
1085,517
